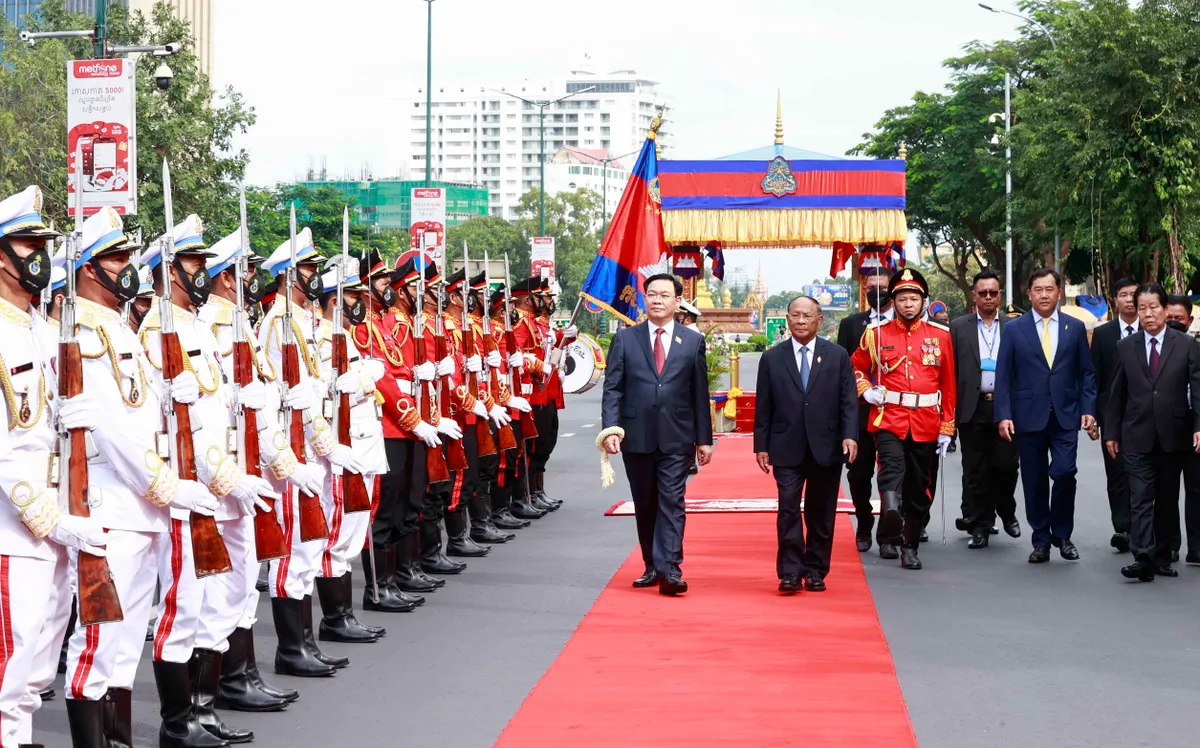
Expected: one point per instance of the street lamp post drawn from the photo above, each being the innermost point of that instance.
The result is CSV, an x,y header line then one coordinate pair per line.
x,y
429,95
541,105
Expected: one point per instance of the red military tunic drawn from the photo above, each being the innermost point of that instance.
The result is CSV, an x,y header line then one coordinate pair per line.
x,y
462,401
373,340
554,391
905,360
529,342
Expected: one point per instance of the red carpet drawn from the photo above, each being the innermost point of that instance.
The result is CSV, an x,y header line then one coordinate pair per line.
x,y
732,663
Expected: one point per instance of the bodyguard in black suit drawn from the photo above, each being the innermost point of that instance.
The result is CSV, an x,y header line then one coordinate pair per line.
x,y
862,470
805,424
989,462
656,406
1154,420
1104,360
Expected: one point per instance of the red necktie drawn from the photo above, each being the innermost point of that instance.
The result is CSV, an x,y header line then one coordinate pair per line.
x,y
660,355
1154,358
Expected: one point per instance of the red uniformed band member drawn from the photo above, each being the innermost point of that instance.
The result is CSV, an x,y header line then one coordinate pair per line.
x,y
912,416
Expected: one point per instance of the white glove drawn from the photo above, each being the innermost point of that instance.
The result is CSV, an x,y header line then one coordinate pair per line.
x,y
299,397
493,359
521,404
79,412
874,396
547,369
474,364
185,388
516,360
449,427
247,493
253,395
427,434
195,497
424,372
943,443
570,331
445,367
345,458
348,383
499,416
80,533
372,369
479,409
308,477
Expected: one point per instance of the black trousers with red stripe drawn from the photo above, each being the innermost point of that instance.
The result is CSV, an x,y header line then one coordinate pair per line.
x,y
512,471
545,417
401,493
462,483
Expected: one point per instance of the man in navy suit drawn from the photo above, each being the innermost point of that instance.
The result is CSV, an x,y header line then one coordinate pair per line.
x,y
805,425
656,402
1045,393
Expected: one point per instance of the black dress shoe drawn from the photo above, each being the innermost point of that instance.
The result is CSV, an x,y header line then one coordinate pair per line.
x,y
1068,551
962,524
1012,527
1040,555
1174,557
979,539
1165,571
649,578
1120,541
671,584
1143,571
993,531
888,551
909,559
813,582
47,694
790,584
1192,559
924,536
863,544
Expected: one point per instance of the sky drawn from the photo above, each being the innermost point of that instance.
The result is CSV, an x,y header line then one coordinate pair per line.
x,y
327,78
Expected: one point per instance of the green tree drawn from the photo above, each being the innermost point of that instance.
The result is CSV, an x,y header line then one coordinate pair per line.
x,y
573,219
493,235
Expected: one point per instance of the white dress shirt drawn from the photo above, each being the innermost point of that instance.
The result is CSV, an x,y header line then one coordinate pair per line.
x,y
876,316
989,349
1129,329
668,334
1162,334
810,350
1041,323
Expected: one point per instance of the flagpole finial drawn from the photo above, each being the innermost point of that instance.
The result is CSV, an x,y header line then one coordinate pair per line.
x,y
656,123
778,117
903,151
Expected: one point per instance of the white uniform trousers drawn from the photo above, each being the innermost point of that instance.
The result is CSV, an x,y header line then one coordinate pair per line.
x,y
250,611
105,655
28,590
292,576
347,532
199,613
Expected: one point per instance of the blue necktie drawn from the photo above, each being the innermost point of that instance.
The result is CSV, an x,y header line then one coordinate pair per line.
x,y
804,368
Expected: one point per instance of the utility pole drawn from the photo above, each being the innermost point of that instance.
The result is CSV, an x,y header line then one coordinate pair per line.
x,y
101,29
429,96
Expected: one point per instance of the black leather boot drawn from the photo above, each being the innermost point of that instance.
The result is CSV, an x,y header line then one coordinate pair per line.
x,y
87,723
912,541
337,622
310,641
482,529
118,717
502,515
522,507
287,694
205,669
459,541
433,561
180,728
891,522
537,487
392,599
237,690
346,590
292,657
264,574
408,567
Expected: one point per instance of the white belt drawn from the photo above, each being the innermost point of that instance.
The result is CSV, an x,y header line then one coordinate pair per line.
x,y
526,389
406,386
912,399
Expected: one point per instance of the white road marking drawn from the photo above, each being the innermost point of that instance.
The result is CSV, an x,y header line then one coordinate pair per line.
x,y
588,425
564,436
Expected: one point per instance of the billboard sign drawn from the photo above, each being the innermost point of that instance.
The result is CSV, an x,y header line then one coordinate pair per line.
x,y
428,228
102,122
541,257
836,298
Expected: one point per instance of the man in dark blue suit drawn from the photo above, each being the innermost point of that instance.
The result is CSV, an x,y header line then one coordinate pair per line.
x,y
656,411
805,425
1045,393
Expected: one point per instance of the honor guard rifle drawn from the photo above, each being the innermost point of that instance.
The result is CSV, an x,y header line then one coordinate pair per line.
x,y
312,516
456,454
504,434
435,463
483,434
97,593
366,258
208,549
528,429
354,487
269,542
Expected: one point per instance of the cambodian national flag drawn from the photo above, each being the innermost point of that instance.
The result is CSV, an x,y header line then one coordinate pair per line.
x,y
634,248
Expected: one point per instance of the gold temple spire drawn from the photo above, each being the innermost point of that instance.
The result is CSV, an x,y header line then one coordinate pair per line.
x,y
778,117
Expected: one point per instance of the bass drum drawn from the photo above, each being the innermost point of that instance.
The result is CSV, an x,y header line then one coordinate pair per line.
x,y
583,364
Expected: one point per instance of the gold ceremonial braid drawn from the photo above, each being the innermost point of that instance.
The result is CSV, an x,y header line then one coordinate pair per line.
x,y
397,360
302,344
143,338
216,329
255,350
17,419
137,398
212,370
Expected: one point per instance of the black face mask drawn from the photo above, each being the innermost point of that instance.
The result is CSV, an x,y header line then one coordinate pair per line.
x,y
551,307
34,270
197,286
310,285
254,289
386,297
125,286
356,312
137,315
878,299
1177,325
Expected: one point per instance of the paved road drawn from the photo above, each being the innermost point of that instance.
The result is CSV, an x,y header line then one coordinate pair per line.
x,y
990,650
